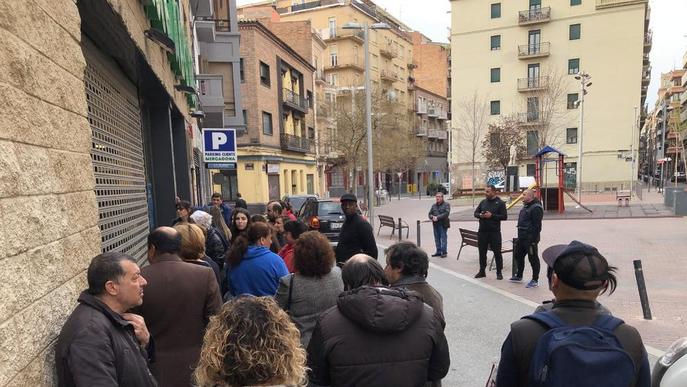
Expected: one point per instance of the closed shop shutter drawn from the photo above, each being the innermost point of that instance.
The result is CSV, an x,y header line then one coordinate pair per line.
x,y
117,155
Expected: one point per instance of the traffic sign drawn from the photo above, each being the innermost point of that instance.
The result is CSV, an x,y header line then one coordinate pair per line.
x,y
219,145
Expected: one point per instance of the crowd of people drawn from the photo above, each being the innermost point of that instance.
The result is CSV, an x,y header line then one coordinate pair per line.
x,y
234,299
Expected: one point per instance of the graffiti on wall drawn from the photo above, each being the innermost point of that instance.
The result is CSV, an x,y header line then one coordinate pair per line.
x,y
495,177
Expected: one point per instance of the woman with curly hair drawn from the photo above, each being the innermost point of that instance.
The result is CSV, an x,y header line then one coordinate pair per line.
x,y
252,267
251,342
315,285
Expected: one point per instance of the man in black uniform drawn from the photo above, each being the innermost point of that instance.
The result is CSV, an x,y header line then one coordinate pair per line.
x,y
529,230
490,212
356,233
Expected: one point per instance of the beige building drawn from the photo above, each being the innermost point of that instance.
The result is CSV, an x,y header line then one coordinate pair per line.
x,y
521,57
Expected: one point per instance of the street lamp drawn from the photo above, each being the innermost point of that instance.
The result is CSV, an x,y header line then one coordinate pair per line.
x,y
584,79
368,108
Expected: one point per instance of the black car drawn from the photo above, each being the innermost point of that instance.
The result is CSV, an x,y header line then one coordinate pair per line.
x,y
297,201
323,215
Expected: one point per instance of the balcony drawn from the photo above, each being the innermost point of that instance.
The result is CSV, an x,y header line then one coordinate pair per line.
x,y
534,16
433,133
293,143
433,112
533,84
601,4
304,6
333,35
443,115
319,77
421,108
352,62
647,41
211,90
443,135
421,132
388,51
529,119
294,101
437,153
388,76
529,51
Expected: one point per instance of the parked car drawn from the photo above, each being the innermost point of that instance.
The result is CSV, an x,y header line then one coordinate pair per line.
x,y
679,176
297,201
323,215
433,188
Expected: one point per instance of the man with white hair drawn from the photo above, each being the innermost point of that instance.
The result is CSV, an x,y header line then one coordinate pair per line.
x,y
529,230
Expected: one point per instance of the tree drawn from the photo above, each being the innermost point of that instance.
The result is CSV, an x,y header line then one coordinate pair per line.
x,y
502,139
546,103
472,120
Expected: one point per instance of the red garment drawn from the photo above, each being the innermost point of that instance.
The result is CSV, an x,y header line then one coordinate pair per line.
x,y
290,215
286,253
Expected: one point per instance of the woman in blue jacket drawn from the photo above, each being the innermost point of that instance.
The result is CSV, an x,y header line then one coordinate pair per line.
x,y
252,267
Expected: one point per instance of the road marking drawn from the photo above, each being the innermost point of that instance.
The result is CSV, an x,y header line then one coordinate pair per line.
x,y
649,349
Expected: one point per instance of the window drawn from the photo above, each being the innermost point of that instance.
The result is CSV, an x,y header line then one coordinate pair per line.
x,y
571,136
496,75
245,118
495,108
264,74
311,133
532,142
535,4
575,31
495,42
573,66
332,27
309,96
266,123
333,56
575,2
531,169
572,100
333,79
532,109
243,77
496,10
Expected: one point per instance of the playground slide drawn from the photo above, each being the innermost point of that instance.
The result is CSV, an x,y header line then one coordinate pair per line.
x,y
519,198
574,199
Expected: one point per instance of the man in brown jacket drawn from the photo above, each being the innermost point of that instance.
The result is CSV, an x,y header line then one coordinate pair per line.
x,y
180,298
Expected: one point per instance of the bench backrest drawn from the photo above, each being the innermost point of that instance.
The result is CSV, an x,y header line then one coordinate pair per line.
x,y
386,220
469,237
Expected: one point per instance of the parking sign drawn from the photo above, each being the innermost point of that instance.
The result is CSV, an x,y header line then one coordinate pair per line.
x,y
219,145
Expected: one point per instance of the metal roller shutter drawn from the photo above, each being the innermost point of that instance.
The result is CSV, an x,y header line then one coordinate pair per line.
x,y
117,155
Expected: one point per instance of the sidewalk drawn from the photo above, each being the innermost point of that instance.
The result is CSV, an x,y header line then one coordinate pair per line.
x,y
659,242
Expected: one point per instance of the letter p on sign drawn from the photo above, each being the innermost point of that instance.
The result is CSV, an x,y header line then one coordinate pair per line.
x,y
218,139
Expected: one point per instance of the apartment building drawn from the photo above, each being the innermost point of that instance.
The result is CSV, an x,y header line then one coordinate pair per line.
x,y
522,58
276,152
431,123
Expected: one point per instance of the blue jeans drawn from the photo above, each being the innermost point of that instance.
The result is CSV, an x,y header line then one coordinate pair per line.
x,y
440,238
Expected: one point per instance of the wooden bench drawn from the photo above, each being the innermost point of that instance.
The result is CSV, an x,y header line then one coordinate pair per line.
x,y
469,238
388,221
620,195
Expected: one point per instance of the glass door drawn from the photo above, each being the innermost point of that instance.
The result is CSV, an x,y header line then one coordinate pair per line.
x,y
534,41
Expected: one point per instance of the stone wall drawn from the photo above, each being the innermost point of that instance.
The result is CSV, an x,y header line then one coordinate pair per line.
x,y
49,230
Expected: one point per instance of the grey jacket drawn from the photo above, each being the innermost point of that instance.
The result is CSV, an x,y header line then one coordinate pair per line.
x,y
310,297
441,211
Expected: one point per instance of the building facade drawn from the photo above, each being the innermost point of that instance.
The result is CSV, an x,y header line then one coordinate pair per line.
x,y
522,58
276,152
431,123
97,148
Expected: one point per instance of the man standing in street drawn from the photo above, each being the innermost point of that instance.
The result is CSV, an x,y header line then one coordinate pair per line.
x,y
240,202
580,275
529,230
217,202
180,298
356,234
438,214
101,344
490,212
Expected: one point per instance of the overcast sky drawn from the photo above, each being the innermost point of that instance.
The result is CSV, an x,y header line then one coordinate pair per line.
x,y
668,22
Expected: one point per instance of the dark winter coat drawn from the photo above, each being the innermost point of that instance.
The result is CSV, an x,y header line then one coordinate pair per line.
x,y
378,336
498,213
240,203
441,211
356,237
97,347
429,295
529,221
214,248
177,304
518,349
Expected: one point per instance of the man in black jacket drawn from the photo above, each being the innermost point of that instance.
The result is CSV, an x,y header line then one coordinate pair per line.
x,y
356,234
101,344
529,230
376,336
439,215
490,212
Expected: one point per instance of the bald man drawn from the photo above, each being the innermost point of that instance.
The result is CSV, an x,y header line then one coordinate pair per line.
x,y
529,230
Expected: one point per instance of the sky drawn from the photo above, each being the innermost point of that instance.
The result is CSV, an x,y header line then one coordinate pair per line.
x,y
668,22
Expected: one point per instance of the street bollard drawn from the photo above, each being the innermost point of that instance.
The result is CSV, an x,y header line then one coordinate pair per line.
x,y
418,233
400,230
643,296
514,265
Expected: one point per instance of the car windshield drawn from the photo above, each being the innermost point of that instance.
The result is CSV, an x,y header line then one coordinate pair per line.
x,y
329,208
296,203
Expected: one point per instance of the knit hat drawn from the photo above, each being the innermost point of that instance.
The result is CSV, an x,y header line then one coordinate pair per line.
x,y
578,265
202,218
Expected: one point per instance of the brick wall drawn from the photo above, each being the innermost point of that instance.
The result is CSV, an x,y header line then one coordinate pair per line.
x,y
432,65
49,232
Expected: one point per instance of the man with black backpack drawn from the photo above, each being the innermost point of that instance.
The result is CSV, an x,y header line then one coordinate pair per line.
x,y
576,343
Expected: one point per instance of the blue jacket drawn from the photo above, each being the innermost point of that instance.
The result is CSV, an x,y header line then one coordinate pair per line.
x,y
258,273
226,212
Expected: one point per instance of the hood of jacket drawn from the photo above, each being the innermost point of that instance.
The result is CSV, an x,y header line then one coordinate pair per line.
x,y
381,309
254,252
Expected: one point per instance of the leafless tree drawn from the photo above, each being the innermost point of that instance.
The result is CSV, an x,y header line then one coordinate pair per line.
x,y
472,123
500,140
